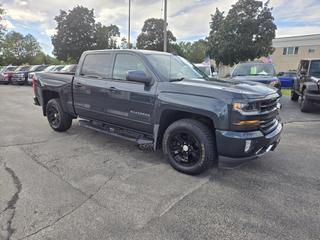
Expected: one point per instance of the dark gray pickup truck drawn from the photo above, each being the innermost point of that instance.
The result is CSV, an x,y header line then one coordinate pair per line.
x,y
161,100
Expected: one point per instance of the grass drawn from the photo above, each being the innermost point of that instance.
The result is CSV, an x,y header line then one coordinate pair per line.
x,y
286,92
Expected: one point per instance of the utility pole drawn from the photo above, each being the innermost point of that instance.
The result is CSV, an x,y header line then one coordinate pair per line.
x,y
165,36
129,25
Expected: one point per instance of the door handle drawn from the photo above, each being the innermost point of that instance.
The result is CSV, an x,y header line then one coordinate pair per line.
x,y
113,89
79,85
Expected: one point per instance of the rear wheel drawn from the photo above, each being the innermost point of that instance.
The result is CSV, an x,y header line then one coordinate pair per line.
x,y
294,96
59,120
305,104
189,146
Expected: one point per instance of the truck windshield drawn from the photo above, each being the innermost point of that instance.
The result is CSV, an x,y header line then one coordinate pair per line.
x,y
254,69
315,68
173,67
205,69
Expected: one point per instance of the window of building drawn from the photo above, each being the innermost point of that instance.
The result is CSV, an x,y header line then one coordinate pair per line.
x,y
312,50
290,50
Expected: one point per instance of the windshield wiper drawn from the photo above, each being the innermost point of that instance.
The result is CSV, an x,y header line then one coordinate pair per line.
x,y
176,79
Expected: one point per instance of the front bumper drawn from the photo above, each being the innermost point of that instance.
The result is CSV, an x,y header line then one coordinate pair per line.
x,y
247,144
314,97
19,80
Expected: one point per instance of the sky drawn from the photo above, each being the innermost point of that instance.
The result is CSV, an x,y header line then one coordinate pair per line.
x,y
187,19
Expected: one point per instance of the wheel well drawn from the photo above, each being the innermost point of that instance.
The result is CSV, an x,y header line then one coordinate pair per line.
x,y
170,116
47,96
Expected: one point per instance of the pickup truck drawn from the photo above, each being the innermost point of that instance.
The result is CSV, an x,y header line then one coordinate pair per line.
x,y
307,84
160,100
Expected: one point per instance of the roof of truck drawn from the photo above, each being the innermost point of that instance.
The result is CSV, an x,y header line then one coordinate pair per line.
x,y
309,59
128,50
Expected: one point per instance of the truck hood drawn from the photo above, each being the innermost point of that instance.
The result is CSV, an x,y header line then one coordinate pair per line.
x,y
229,89
260,79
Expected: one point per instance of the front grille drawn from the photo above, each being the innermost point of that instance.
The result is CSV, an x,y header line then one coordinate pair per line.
x,y
269,114
269,105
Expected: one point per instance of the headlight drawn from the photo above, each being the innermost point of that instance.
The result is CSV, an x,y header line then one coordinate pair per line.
x,y
246,107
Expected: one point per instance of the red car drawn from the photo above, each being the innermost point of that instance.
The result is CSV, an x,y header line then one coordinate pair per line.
x,y
6,74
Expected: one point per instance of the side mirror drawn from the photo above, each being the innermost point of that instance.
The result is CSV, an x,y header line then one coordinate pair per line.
x,y
138,76
303,72
280,74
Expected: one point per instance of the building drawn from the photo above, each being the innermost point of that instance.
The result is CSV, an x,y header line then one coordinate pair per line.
x,y
290,50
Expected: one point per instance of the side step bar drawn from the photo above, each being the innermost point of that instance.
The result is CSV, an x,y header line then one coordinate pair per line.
x,y
117,131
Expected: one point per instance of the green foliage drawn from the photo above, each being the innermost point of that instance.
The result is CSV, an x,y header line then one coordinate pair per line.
x,y
124,43
18,49
105,36
195,52
152,35
246,33
2,30
75,33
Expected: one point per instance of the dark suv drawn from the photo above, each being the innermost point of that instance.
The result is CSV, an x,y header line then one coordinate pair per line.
x,y
307,84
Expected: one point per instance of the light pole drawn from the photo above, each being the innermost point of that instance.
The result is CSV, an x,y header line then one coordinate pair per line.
x,y
165,36
129,24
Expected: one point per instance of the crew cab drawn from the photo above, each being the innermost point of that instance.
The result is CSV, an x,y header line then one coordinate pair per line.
x,y
307,84
160,100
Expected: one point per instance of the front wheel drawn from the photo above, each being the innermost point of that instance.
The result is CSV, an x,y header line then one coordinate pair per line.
x,y
59,120
189,146
305,104
294,96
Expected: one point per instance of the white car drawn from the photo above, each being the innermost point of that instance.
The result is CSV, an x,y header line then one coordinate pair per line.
x,y
206,69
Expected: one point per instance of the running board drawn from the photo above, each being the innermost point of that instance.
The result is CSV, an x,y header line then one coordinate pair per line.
x,y
116,131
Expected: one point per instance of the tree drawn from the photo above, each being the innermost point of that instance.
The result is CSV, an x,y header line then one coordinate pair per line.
x,y
2,30
246,33
106,36
152,37
18,49
195,52
76,33
124,43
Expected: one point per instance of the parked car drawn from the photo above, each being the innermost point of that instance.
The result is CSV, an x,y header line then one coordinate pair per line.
x,y
287,78
69,68
6,74
57,68
34,69
257,72
49,68
207,69
20,75
307,84
155,99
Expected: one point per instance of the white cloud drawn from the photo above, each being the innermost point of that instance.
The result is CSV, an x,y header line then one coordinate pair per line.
x,y
7,24
187,18
26,15
295,31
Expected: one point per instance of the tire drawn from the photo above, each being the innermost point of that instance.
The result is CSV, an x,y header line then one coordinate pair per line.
x,y
59,120
189,146
294,96
305,104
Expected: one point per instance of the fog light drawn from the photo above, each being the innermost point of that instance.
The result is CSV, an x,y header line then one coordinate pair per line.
x,y
247,146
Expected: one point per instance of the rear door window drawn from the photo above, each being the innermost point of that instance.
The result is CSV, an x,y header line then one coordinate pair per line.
x,y
97,66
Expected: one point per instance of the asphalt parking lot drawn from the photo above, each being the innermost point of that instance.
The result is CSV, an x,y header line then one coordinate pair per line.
x,y
84,185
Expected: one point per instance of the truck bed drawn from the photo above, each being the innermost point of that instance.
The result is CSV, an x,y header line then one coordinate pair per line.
x,y
55,79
